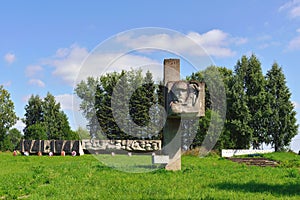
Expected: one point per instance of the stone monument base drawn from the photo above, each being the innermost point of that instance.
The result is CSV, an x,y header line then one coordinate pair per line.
x,y
54,146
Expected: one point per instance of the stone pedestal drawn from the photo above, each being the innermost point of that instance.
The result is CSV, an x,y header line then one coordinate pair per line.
x,y
171,133
172,143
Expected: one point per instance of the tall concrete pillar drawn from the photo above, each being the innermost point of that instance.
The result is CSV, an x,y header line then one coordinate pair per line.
x,y
171,132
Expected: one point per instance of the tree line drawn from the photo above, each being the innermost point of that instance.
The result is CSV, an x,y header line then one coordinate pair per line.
x,y
43,119
258,110
135,99
128,105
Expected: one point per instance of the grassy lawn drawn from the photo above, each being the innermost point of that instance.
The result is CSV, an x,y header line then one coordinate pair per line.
x,y
85,177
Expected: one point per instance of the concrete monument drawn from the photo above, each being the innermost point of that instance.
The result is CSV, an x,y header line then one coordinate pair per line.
x,y
54,146
183,99
142,146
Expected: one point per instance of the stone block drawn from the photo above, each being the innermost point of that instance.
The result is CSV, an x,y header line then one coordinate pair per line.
x,y
35,146
160,159
67,146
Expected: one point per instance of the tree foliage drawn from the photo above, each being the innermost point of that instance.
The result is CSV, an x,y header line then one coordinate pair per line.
x,y
254,86
280,116
14,137
7,116
83,133
33,116
218,79
122,106
258,108
44,119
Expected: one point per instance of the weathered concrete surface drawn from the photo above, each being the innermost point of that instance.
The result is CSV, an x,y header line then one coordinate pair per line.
x,y
171,135
54,146
126,145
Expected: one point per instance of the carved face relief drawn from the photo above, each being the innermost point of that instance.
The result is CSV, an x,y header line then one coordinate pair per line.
x,y
185,98
180,90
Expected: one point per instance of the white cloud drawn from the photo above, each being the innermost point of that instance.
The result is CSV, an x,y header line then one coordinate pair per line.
x,y
292,8
295,12
269,44
76,63
6,84
37,82
266,41
67,102
32,70
19,125
67,62
9,58
294,44
264,37
214,43
69,65
70,105
26,98
296,104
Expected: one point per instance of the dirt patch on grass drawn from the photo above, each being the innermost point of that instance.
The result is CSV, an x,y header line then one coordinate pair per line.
x,y
262,162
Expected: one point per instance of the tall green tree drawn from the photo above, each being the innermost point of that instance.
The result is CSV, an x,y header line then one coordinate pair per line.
x,y
103,104
238,116
256,99
33,115
122,102
54,120
44,119
280,116
238,113
7,115
216,87
141,101
86,91
246,104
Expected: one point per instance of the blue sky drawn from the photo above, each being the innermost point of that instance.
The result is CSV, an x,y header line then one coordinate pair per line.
x,y
43,44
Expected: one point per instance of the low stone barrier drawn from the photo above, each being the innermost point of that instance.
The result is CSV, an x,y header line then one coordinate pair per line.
x,y
89,146
119,145
237,152
54,146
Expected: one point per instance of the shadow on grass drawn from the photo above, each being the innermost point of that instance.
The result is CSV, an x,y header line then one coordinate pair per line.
x,y
289,189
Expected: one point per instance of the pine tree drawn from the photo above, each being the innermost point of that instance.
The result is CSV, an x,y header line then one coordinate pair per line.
x,y
280,116
33,115
122,101
142,99
255,91
44,120
160,108
246,104
103,104
154,113
238,114
50,117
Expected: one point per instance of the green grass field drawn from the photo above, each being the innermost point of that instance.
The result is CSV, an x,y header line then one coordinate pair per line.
x,y
85,177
